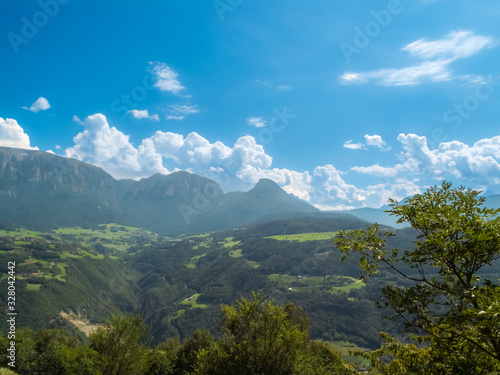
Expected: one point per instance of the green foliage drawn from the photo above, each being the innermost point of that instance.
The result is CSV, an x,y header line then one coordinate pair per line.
x,y
51,352
260,337
454,311
187,356
6,371
119,345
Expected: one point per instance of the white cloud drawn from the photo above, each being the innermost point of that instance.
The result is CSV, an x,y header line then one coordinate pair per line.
x,y
258,122
13,135
377,141
456,45
436,56
110,149
371,140
180,111
377,170
77,119
166,78
236,167
41,104
140,114
330,191
354,146
479,163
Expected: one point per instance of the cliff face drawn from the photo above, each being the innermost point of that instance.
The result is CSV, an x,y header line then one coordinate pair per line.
x,y
22,170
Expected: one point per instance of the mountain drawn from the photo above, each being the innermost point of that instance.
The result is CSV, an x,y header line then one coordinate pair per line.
x,y
376,215
168,203
379,216
41,191
266,198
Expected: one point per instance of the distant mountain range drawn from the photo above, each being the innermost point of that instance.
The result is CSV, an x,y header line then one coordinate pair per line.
x,y
42,191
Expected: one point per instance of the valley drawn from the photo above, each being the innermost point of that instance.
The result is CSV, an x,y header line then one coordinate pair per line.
x,y
72,275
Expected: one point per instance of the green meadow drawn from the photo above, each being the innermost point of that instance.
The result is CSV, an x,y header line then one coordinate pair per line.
x,y
302,237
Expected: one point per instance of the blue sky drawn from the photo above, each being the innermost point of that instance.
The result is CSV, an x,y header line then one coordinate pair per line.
x,y
343,103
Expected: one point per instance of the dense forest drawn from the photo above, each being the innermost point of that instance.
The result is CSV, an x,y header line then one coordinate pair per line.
x,y
285,294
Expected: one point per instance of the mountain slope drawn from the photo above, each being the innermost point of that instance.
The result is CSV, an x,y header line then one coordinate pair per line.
x,y
266,198
40,190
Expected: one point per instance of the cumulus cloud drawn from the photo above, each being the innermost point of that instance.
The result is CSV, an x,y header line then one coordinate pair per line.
x,y
110,149
258,122
13,135
180,111
479,163
41,104
166,78
329,191
140,114
377,141
437,57
241,165
236,167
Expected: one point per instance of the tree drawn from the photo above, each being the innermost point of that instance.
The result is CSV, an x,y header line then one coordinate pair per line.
x,y
262,338
120,345
187,355
451,309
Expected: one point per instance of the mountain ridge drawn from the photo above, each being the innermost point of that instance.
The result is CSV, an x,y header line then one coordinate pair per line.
x,y
41,190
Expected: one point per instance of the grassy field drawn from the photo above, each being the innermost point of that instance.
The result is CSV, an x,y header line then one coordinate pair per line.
x,y
194,260
33,287
302,237
115,236
358,284
228,242
338,284
253,264
192,302
112,235
344,348
235,253
284,281
22,232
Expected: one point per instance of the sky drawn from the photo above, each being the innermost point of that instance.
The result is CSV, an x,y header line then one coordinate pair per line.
x,y
343,103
